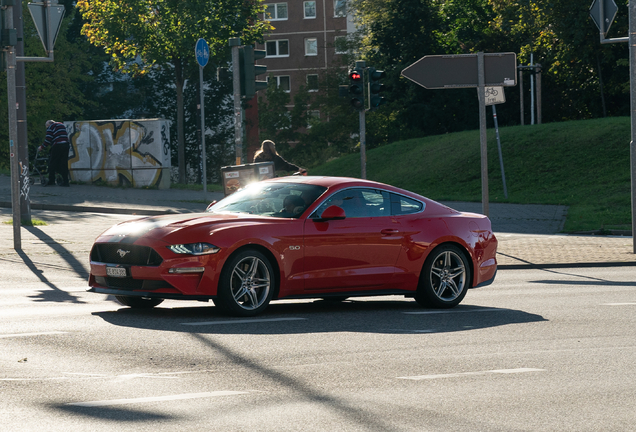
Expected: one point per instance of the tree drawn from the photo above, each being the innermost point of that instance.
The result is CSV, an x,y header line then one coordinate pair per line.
x,y
53,90
140,35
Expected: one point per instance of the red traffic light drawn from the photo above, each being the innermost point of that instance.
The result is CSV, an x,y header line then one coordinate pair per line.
x,y
355,76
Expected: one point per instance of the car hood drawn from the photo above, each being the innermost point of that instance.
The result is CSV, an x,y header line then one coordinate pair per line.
x,y
161,226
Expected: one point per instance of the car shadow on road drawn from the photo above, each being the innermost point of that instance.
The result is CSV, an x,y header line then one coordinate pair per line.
x,y
386,316
361,316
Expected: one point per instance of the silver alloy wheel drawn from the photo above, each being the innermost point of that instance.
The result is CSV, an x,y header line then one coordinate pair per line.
x,y
448,276
250,283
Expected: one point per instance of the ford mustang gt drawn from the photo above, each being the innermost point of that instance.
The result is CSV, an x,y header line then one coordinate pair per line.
x,y
298,237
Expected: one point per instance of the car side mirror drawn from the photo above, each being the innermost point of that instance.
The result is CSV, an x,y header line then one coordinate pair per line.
x,y
332,213
211,204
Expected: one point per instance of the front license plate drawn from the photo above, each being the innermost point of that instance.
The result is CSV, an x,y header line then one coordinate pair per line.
x,y
119,272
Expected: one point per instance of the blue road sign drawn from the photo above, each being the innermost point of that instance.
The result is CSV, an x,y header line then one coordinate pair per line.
x,y
202,52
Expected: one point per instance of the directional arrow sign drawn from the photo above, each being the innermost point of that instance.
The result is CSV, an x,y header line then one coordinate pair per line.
x,y
609,12
460,70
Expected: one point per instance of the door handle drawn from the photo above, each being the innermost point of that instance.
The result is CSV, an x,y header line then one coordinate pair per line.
x,y
390,231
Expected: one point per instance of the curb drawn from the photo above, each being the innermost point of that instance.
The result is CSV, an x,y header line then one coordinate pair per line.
x,y
532,266
90,209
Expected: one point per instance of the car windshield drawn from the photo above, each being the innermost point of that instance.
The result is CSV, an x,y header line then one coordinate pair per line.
x,y
285,200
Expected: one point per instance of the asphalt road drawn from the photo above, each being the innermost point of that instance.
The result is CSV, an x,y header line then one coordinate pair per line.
x,y
539,350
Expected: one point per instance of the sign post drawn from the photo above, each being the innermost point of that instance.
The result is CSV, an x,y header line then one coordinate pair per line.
x,y
202,53
603,12
468,70
235,43
495,95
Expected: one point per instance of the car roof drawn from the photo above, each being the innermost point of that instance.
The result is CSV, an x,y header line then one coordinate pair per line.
x,y
330,182
336,183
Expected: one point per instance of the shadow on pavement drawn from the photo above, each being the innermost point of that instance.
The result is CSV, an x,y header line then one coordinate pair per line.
x,y
369,316
114,414
54,294
388,317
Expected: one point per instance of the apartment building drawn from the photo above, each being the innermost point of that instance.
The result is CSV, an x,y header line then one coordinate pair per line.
x,y
305,42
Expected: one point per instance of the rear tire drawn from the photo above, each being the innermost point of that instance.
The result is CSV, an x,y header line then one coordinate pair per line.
x,y
445,278
139,302
247,284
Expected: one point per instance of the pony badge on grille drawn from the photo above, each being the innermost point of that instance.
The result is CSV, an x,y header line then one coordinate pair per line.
x,y
122,253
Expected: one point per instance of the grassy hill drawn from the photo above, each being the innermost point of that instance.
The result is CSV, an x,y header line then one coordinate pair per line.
x,y
582,164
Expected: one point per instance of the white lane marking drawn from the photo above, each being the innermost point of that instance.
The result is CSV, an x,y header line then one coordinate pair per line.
x,y
247,321
619,304
462,374
156,399
452,311
93,376
31,334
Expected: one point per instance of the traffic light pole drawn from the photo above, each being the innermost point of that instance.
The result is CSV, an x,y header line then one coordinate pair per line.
x,y
481,91
13,135
238,111
363,146
601,20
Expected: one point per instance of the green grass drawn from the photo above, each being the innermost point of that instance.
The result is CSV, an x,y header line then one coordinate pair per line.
x,y
582,164
25,222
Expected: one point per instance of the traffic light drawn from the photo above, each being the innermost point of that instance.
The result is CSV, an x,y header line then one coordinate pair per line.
x,y
356,88
249,71
8,37
375,87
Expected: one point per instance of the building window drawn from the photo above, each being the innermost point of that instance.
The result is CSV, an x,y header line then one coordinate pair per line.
x,y
310,9
340,43
281,82
312,82
340,8
311,46
276,11
313,117
277,48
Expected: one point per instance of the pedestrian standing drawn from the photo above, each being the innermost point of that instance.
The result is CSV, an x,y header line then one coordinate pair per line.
x,y
57,139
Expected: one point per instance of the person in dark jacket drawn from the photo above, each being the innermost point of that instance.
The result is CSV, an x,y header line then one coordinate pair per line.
x,y
57,139
268,153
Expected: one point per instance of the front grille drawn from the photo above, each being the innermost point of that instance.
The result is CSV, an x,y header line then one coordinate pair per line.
x,y
129,283
124,283
117,253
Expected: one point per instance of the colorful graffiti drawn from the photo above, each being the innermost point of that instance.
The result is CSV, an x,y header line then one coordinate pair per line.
x,y
122,152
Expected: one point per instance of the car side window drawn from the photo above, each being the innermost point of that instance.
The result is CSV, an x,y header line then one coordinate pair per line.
x,y
359,202
401,205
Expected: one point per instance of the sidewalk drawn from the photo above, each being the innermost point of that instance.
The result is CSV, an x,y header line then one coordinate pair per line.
x,y
528,234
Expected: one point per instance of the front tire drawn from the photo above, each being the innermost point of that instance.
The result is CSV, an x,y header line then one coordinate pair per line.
x,y
246,285
139,302
445,278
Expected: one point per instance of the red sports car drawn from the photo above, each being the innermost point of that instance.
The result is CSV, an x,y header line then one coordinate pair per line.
x,y
298,237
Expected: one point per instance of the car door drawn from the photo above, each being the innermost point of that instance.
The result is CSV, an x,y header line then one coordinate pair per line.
x,y
358,252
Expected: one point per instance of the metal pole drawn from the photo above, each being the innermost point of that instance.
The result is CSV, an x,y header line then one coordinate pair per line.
x,y
203,156
523,121
532,90
538,73
363,146
481,91
23,144
238,112
13,135
632,85
503,173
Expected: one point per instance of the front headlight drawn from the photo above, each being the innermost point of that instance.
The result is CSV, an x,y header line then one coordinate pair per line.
x,y
194,248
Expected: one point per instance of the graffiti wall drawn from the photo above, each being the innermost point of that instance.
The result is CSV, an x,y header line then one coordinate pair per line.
x,y
120,152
